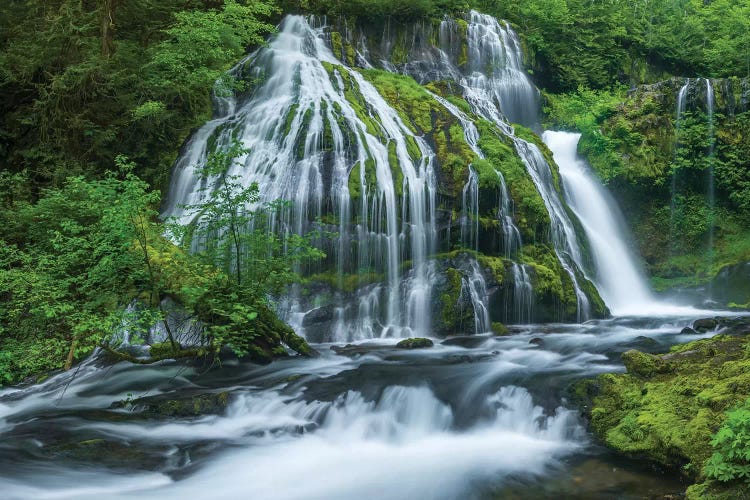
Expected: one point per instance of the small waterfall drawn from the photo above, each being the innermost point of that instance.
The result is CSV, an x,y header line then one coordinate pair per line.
x,y
523,294
309,144
511,235
496,69
681,105
618,278
564,236
470,212
711,184
476,286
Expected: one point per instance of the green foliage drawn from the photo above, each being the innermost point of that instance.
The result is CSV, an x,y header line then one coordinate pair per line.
x,y
731,458
82,82
231,230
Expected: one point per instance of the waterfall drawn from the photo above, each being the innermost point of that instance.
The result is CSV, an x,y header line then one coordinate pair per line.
x,y
320,135
681,105
523,294
470,212
476,286
563,233
511,235
619,278
711,188
309,144
495,64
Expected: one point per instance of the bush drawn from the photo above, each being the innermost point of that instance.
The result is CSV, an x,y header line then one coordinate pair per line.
x,y
731,458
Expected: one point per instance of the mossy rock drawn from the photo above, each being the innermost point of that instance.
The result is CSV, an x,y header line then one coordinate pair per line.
x,y
415,343
667,407
500,329
184,407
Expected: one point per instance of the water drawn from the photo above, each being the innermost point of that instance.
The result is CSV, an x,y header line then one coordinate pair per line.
x,y
476,417
619,277
711,183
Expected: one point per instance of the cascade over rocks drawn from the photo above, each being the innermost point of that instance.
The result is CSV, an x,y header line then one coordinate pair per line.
x,y
429,191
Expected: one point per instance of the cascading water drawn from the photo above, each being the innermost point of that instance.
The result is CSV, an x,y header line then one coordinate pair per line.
x,y
681,106
297,123
320,135
619,278
495,64
711,188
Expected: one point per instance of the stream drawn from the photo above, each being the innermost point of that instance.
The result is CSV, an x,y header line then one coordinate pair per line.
x,y
472,417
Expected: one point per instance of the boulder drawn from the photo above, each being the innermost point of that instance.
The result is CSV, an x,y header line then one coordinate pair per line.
x,y
415,343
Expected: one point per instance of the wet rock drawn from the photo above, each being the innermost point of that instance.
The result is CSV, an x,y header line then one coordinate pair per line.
x,y
415,343
189,406
537,341
500,329
469,342
643,342
705,324
688,331
731,286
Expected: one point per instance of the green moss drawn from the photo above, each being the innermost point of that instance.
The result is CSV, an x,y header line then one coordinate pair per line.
x,y
346,282
453,315
496,265
667,407
415,343
531,215
396,172
500,329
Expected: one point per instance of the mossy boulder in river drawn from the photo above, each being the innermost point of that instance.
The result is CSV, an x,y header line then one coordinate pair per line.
x,y
415,343
667,407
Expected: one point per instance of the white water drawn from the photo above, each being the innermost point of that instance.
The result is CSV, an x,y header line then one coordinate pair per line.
x,y
619,278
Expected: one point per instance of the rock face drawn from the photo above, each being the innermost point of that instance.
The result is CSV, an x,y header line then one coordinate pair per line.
x,y
667,407
731,286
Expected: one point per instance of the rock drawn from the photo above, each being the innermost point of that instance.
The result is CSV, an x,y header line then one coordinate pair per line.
x,y
642,364
468,342
643,342
415,343
731,286
189,406
705,324
537,341
688,331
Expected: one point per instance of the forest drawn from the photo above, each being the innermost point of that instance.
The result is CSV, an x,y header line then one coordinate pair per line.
x,y
223,187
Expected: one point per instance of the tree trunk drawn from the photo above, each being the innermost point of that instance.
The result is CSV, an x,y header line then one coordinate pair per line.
x,y
108,26
71,355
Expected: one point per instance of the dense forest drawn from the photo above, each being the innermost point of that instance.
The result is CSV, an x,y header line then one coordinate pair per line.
x,y
101,102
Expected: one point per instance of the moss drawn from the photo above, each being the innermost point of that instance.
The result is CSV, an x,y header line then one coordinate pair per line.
x,y
495,265
667,407
531,215
500,329
355,178
396,172
346,283
454,315
337,45
415,343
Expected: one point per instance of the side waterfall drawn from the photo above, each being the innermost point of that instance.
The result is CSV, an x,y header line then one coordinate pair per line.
x,y
619,278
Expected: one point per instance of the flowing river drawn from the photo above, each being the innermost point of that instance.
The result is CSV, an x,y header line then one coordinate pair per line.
x,y
472,417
